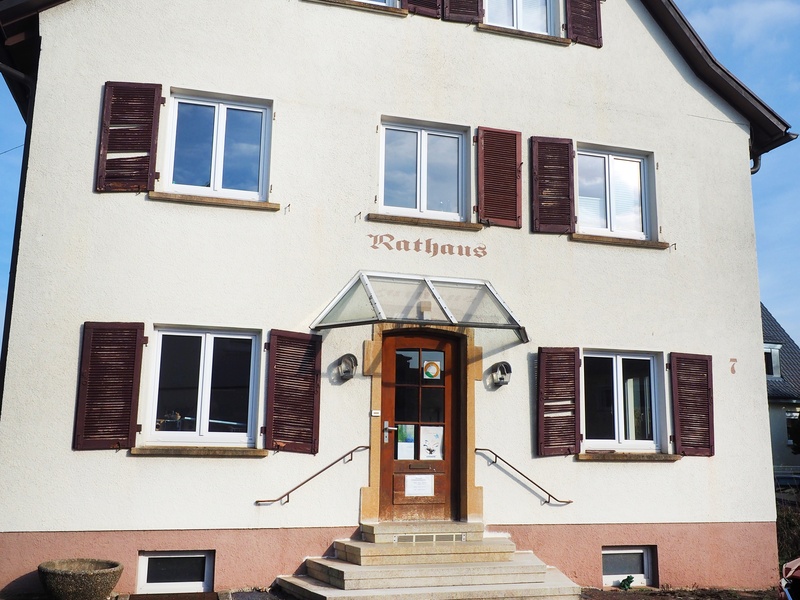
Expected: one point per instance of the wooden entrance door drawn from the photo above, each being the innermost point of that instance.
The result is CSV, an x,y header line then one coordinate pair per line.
x,y
420,418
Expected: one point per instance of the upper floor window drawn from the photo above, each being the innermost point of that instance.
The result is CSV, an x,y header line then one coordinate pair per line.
x,y
219,148
611,195
536,16
423,172
772,359
619,399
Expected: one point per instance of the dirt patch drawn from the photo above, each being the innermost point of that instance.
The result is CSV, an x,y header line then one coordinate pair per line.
x,y
678,594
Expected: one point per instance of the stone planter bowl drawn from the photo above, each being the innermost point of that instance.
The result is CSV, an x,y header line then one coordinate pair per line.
x,y
79,578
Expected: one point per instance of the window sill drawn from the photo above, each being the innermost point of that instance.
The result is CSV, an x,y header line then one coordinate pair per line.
x,y
538,37
387,10
628,457
207,200
378,218
614,241
196,451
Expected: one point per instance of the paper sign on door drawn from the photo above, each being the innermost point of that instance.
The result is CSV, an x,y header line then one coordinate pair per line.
x,y
419,485
405,442
431,439
432,369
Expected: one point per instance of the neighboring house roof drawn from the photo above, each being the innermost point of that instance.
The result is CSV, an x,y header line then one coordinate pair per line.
x,y
787,387
768,129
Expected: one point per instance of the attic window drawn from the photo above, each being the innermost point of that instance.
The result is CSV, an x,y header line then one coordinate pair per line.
x,y
419,300
772,360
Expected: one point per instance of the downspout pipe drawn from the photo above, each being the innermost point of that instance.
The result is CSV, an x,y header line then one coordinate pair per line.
x,y
756,165
30,83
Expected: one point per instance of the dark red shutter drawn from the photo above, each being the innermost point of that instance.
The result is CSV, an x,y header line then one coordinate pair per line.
x,y
464,11
500,177
108,395
130,125
692,404
425,8
552,188
559,401
583,22
293,391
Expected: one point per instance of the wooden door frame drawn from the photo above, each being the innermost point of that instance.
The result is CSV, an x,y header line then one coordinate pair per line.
x,y
471,359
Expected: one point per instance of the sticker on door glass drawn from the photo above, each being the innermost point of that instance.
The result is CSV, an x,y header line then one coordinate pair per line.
x,y
431,439
432,369
405,442
419,485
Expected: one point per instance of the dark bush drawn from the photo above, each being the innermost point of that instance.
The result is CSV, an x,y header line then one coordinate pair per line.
x,y
788,533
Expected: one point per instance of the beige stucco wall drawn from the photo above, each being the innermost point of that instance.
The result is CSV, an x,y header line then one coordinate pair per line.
x,y
331,74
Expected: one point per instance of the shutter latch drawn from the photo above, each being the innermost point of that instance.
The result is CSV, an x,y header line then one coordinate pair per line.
x,y
138,428
264,430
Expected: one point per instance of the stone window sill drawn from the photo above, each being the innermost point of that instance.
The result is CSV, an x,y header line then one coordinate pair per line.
x,y
628,457
196,451
537,37
378,218
601,239
387,10
207,200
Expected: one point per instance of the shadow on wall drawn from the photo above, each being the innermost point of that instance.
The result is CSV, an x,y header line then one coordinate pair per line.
x,y
26,584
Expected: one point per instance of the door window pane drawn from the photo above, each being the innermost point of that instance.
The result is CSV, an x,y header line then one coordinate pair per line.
x,y
637,402
400,169
230,385
194,145
442,173
407,366
179,383
406,403
242,163
599,384
592,191
432,405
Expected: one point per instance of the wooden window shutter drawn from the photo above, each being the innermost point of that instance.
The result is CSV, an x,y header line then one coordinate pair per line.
x,y
552,187
583,22
293,391
692,404
425,8
500,177
130,125
559,401
464,11
108,395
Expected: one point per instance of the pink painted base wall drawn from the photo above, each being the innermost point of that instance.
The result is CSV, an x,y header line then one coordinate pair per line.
x,y
737,555
724,555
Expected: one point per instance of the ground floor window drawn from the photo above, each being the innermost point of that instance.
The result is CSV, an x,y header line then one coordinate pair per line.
x,y
624,562
791,426
174,572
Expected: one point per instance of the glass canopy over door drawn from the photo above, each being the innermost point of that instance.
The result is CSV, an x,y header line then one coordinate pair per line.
x,y
414,299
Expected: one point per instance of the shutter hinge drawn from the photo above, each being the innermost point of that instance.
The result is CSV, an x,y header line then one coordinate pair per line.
x,y
157,175
475,209
563,27
671,438
474,139
580,437
266,346
163,100
669,366
138,428
574,154
145,340
264,430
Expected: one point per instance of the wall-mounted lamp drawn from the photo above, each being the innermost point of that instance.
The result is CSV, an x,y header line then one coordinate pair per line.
x,y
347,366
501,373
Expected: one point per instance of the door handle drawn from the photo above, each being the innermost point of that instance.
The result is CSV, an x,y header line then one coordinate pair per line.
x,y
386,430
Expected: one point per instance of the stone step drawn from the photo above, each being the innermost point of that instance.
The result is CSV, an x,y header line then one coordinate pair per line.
x,y
421,531
494,549
556,586
524,567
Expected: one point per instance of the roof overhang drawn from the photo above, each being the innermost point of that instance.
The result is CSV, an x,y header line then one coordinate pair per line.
x,y
372,297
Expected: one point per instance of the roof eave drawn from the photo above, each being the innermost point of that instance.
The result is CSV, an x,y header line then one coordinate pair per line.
x,y
12,11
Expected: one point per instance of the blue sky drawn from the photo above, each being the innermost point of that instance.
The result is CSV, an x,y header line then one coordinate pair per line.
x,y
756,41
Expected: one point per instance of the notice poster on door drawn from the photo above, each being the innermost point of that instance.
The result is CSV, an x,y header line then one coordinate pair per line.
x,y
405,442
432,369
419,485
431,439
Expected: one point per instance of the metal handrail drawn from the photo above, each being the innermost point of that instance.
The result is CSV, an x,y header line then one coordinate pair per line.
x,y
494,462
286,495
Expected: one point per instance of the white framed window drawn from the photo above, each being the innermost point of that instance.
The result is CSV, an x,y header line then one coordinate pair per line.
x,y
175,572
619,399
390,3
423,172
536,16
772,358
612,195
219,148
620,562
205,388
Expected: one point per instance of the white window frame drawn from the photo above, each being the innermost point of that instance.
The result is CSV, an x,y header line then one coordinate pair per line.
x,y
203,437
389,3
639,579
775,351
207,585
218,152
553,20
609,157
619,443
421,211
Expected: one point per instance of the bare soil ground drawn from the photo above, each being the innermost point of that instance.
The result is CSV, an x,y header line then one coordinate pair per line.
x,y
678,594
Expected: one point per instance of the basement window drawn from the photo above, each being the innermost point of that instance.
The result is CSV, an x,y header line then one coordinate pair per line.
x,y
621,561
175,572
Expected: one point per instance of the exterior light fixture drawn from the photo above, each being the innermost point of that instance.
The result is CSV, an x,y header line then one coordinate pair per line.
x,y
347,366
501,373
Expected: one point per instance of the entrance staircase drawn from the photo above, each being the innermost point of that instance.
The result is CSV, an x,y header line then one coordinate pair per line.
x,y
428,560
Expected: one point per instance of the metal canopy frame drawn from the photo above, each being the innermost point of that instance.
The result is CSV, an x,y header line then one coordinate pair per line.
x,y
363,278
